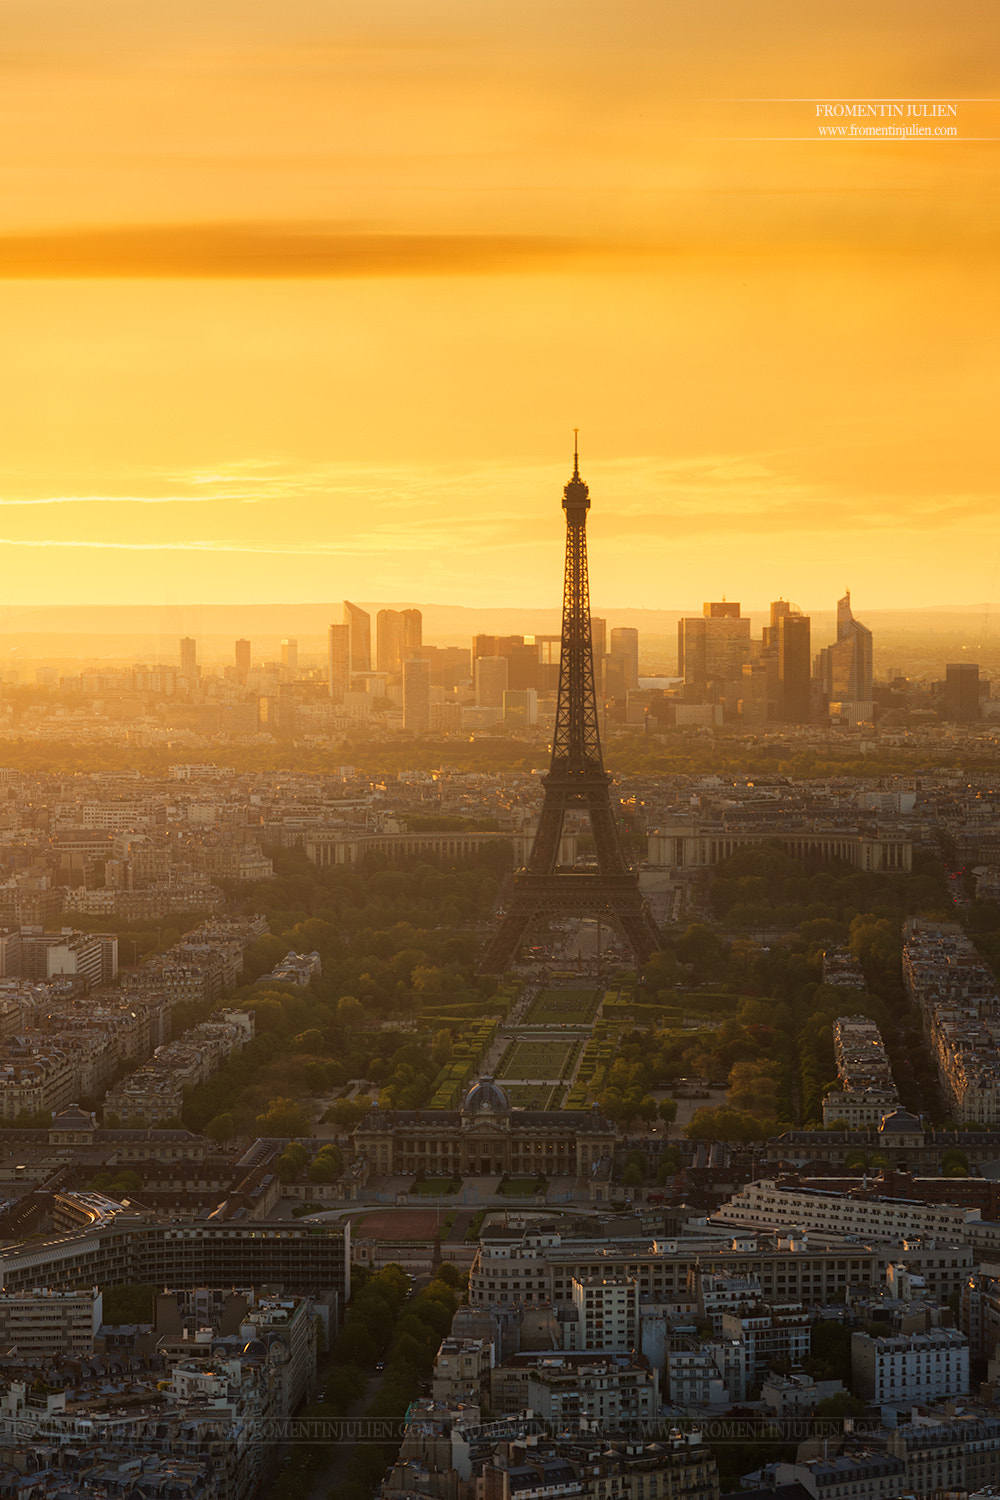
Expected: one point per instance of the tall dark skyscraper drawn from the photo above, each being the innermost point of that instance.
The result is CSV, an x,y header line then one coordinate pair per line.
x,y
576,780
242,660
790,635
338,663
189,656
417,696
359,628
961,692
388,640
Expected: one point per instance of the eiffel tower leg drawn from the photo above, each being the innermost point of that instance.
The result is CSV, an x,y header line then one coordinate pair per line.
x,y
544,856
506,941
641,932
607,843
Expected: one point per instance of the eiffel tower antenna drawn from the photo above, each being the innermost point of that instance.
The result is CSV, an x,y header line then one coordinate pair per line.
x,y
576,779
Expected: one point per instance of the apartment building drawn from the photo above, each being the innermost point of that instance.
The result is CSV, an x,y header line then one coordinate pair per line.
x,y
767,1204
617,1391
857,1473
526,1267
948,1453
462,1371
910,1367
957,995
770,1333
300,1259
43,1324
606,1310
868,1091
155,1092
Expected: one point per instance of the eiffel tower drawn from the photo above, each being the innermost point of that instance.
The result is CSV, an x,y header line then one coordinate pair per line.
x,y
576,779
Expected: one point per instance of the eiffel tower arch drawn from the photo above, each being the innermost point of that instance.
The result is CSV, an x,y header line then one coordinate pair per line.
x,y
576,780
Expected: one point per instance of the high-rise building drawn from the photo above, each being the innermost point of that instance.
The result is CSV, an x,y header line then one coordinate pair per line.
x,y
523,657
416,696
388,640
413,631
961,692
599,636
615,675
399,635
242,660
189,656
790,632
289,658
625,642
450,665
359,626
713,647
755,690
491,681
845,668
339,661
520,707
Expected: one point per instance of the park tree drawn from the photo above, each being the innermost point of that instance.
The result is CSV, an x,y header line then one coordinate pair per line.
x,y
310,1040
350,1011
442,1048
327,1165
705,950
346,1113
660,973
221,1128
670,1165
282,1117
753,1086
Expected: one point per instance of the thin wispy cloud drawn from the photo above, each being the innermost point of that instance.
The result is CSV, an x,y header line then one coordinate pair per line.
x,y
285,250
7,500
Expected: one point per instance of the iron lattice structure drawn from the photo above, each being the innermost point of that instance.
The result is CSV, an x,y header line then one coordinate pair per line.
x,y
576,779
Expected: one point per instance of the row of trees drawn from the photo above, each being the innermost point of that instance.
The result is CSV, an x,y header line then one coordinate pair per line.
x,y
384,1325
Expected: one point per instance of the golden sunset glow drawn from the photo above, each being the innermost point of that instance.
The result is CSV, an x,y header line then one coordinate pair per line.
x,y
302,299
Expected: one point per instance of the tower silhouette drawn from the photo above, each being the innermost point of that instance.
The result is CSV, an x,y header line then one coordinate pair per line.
x,y
576,779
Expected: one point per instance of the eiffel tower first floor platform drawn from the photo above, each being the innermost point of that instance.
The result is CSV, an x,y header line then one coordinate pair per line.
x,y
616,898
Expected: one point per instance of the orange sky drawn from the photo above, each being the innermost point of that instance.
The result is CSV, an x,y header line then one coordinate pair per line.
x,y
301,299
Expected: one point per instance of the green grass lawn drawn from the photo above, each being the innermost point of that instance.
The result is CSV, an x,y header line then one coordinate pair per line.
x,y
434,1187
535,1095
520,1187
563,1008
542,1058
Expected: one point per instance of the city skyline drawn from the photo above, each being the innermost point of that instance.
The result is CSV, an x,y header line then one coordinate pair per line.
x,y
305,300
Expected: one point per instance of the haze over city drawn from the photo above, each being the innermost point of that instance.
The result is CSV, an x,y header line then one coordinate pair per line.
x,y
304,300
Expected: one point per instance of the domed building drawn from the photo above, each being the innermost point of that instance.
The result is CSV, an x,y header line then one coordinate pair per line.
x,y
486,1098
486,1137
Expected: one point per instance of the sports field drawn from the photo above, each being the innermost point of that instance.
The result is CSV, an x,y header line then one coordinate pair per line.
x,y
563,1008
414,1224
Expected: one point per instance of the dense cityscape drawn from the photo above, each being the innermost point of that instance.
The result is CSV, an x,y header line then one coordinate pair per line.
x,y
497,1000
385,1114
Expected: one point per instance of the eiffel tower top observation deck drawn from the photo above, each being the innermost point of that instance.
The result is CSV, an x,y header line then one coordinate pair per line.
x,y
576,780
